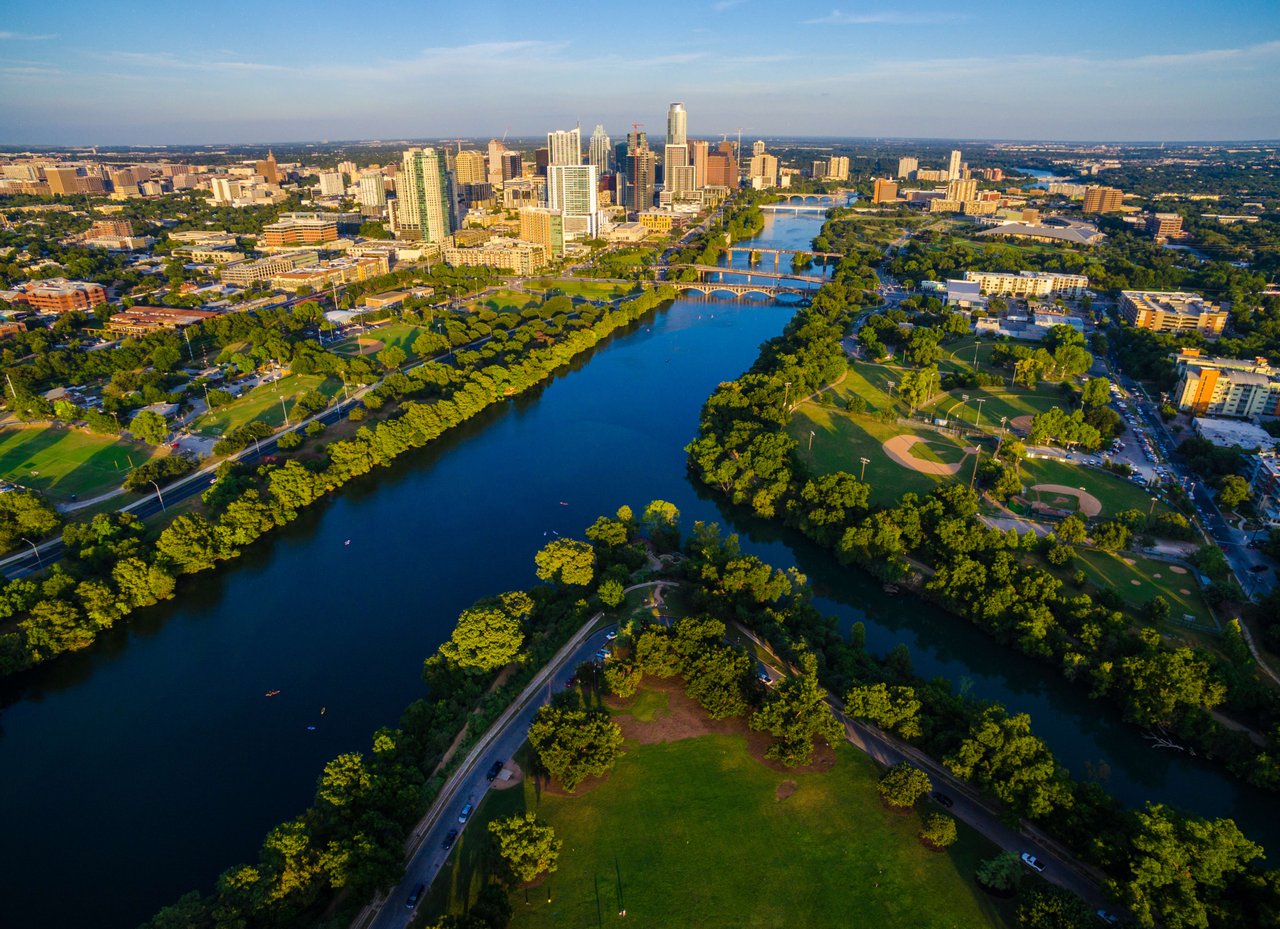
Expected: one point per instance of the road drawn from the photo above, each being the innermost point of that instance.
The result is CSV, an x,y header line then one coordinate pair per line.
x,y
468,783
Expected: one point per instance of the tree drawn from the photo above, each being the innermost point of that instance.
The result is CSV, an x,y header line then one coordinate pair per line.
x,y
1112,536
1096,392
611,593
566,561
895,709
1179,865
1233,490
795,714
1002,756
487,637
527,847
25,514
1051,907
1071,531
902,785
149,427
573,745
939,831
392,357
1000,873
662,521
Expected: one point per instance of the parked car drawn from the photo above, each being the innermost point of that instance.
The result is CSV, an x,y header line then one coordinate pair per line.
x,y
414,896
610,635
1111,919
764,678
1032,862
466,812
602,655
494,770
449,839
942,798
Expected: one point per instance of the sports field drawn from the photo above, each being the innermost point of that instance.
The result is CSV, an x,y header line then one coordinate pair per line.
x,y
502,300
1138,580
63,462
1113,492
379,337
266,403
996,402
591,290
696,832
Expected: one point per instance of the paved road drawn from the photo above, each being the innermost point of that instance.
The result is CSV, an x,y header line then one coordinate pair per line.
x,y
468,783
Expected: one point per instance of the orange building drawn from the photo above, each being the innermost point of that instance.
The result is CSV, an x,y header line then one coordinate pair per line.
x,y
300,231
57,295
143,319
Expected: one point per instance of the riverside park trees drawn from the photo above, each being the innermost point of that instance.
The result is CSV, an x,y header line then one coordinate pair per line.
x,y
490,634
795,714
527,847
572,745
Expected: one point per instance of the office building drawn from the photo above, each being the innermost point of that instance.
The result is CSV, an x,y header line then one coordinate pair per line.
x,y
907,166
677,125
698,150
331,184
600,151
1165,225
1063,189
722,167
73,180
1023,284
541,161
469,168
678,175
496,150
763,170
885,191
962,190
332,273
268,169
510,167
757,148
244,273
1162,311
300,229
141,320
838,168
544,227
424,203
953,166
572,189
564,147
818,170
372,190
1102,199
348,168
642,169
1225,386
56,295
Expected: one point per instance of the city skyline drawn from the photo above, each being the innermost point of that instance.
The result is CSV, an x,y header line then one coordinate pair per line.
x,y
1147,72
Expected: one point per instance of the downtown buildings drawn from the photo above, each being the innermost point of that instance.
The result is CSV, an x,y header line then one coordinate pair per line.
x,y
423,208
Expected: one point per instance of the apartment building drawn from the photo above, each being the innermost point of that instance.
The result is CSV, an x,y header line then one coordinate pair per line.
x,y
1023,284
1225,386
56,295
1171,311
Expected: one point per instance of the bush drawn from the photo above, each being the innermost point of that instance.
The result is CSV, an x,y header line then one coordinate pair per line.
x,y
939,831
622,679
1000,873
160,470
289,441
25,514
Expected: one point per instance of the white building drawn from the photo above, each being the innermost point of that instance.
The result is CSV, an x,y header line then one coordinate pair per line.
x,y
1029,283
564,146
600,150
953,168
677,125
331,184
571,189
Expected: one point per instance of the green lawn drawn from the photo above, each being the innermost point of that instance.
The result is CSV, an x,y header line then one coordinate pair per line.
x,y
1139,582
501,300
996,402
871,383
61,461
592,290
263,403
399,334
1114,493
841,439
693,833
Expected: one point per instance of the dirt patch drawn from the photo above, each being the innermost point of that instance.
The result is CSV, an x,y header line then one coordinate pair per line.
x,y
786,789
1089,504
369,346
517,775
1129,561
1021,424
899,451
1177,569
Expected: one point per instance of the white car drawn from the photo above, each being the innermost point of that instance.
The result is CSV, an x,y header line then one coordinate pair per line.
x,y
1032,862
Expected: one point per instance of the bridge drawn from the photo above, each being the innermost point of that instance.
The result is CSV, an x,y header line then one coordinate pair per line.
x,y
748,273
711,288
777,253
795,208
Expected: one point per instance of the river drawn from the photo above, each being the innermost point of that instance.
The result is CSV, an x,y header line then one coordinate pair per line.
x,y
142,768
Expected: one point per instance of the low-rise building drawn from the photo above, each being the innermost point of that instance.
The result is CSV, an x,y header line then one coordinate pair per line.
x,y
329,273
965,295
659,220
507,254
626,232
1171,311
1226,433
300,229
385,300
213,256
1052,229
244,273
1225,386
1163,226
1023,284
1264,483
56,295
140,320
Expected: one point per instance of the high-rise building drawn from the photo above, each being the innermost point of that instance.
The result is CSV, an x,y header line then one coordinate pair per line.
x,y
510,166
348,168
763,170
599,152
1102,199
543,227
373,194
331,184
564,146
678,176
424,202
642,167
268,168
677,125
838,168
886,191
469,167
962,190
698,150
757,148
907,165
1165,225
496,148
722,167
572,190
953,167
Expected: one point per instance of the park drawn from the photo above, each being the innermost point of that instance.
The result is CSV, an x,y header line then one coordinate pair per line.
x,y
66,462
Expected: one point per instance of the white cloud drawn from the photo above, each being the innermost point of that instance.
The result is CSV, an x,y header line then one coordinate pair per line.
x,y
882,18
723,6
25,36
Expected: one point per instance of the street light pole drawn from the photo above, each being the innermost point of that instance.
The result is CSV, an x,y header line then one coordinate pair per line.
x,y
977,423
39,560
862,478
811,435
786,397
285,410
159,496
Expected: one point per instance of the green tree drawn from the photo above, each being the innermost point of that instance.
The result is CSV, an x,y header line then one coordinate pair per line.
x,y
1233,491
1179,866
486,637
939,831
902,785
1002,756
527,847
25,514
566,561
1000,873
572,745
611,593
895,709
1051,907
1096,392
391,357
662,522
149,427
795,714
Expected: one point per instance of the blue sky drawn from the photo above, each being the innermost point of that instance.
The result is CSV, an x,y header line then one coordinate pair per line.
x,y
152,73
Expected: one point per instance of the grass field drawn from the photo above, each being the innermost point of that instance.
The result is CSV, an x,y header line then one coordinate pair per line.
x,y
591,290
1137,580
1115,493
501,300
841,439
400,334
263,403
996,402
696,832
63,462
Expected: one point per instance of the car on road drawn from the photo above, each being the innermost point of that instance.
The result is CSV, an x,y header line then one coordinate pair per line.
x,y
942,799
449,839
1032,862
764,678
494,770
1258,568
466,812
610,635
602,655
414,896
1111,919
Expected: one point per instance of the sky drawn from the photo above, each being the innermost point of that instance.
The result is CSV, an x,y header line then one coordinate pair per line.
x,y
83,73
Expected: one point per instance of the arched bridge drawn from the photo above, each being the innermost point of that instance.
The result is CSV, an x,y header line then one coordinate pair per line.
x,y
710,288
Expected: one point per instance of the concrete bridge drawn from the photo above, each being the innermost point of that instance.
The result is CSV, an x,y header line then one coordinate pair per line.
x,y
705,270
777,253
716,288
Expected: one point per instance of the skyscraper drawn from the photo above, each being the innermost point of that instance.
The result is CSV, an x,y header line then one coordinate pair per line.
x,y
509,166
571,189
886,191
962,190
838,168
496,148
953,169
268,168
373,194
331,184
642,165
1102,200
907,165
469,167
677,125
423,202
698,149
763,170
565,146
757,148
599,152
